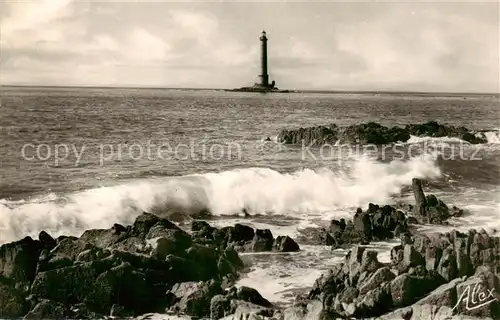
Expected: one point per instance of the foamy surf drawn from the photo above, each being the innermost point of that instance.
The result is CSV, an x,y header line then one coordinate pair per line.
x,y
492,137
435,140
257,190
279,277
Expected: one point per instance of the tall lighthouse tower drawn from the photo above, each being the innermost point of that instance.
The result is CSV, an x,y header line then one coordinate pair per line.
x,y
262,85
264,77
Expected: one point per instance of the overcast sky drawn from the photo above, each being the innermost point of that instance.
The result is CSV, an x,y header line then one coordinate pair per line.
x,y
417,46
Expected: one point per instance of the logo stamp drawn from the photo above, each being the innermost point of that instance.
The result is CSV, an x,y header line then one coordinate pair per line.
x,y
476,296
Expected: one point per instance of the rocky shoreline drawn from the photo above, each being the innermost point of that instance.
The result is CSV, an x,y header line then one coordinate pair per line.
x,y
374,133
154,266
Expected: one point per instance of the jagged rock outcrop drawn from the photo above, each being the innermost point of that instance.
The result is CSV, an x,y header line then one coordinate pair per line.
x,y
150,266
465,279
242,238
373,133
383,222
429,209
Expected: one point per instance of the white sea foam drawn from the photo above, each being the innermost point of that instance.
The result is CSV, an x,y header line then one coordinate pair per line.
x,y
258,190
436,140
278,277
493,137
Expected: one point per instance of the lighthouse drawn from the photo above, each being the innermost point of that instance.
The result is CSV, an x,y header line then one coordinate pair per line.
x,y
262,85
264,77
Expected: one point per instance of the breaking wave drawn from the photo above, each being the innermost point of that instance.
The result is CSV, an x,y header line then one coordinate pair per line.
x,y
256,190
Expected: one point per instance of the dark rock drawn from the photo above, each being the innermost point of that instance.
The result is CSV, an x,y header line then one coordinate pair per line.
x,y
18,260
133,244
348,237
406,239
220,307
82,311
166,229
232,256
337,226
331,282
362,223
251,295
464,264
421,242
374,303
411,257
166,240
418,271
326,239
397,255
195,298
12,302
240,234
262,241
48,285
64,254
92,254
380,276
444,295
47,309
199,225
438,213
248,310
372,208
206,260
118,228
46,240
432,257
285,244
125,286
315,236
446,258
102,238
349,295
372,133
369,262
420,200
384,223
82,278
354,259
162,247
400,229
447,267
179,269
401,288
143,223
406,289
203,231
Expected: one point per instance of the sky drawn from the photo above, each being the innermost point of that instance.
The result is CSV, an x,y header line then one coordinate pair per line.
x,y
395,46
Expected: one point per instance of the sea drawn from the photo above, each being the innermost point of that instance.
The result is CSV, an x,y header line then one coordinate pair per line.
x,y
79,158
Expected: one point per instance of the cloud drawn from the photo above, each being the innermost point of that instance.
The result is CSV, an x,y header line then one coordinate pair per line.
x,y
354,46
146,46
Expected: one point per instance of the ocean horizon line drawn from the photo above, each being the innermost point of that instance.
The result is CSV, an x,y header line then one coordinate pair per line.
x,y
322,91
